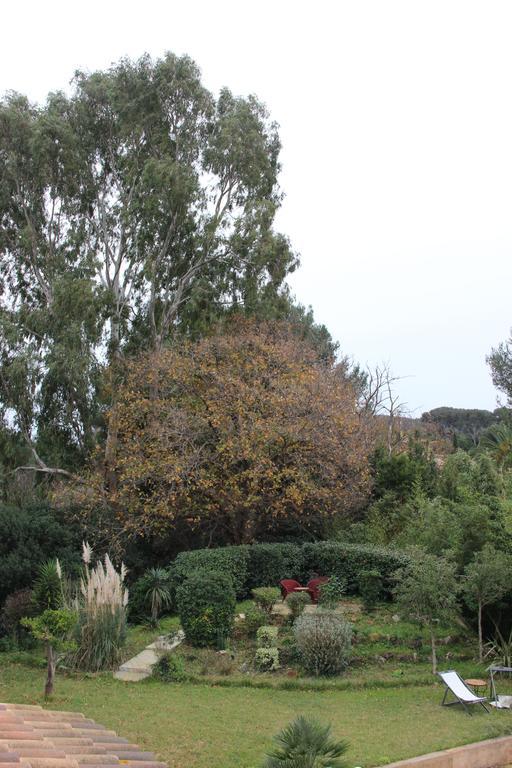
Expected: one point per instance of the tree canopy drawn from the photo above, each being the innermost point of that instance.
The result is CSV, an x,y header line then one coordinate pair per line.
x,y
240,436
137,208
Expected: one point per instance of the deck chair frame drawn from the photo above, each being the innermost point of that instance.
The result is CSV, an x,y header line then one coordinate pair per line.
x,y
475,700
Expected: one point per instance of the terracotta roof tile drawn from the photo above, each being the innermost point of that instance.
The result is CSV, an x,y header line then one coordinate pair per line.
x,y
33,737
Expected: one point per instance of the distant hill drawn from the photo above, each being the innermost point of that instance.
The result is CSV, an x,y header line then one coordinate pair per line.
x,y
466,425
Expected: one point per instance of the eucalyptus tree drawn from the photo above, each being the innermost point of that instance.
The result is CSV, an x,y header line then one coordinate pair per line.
x,y
137,207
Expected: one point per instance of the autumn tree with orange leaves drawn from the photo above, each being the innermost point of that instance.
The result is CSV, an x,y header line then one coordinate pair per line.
x,y
239,437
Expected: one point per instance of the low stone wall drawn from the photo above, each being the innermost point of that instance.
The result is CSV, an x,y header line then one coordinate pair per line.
x,y
481,754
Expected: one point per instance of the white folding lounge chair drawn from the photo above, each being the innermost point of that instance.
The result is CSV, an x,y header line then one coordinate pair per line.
x,y
464,695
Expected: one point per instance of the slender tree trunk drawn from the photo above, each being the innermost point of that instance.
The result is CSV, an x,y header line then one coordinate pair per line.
x,y
434,654
50,670
480,635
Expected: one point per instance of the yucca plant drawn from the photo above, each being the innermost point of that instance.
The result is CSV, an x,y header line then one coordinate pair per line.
x,y
48,592
158,592
304,743
101,607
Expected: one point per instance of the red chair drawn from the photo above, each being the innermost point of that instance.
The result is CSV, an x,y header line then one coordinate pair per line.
x,y
314,587
288,586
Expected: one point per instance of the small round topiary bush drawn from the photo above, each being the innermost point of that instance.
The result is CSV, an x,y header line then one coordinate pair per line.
x,y
254,619
266,597
206,606
267,659
324,642
296,602
266,637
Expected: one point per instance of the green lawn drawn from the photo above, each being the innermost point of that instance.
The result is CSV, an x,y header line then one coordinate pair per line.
x,y
199,726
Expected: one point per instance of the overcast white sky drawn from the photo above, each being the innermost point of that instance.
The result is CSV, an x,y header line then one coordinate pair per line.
x,y
396,123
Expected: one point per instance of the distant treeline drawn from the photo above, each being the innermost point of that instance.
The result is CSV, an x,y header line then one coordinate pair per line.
x,y
467,425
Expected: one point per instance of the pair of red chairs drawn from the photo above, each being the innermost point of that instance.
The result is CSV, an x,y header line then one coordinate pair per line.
x,y
312,588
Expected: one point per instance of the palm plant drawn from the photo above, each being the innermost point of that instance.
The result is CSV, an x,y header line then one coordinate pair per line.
x,y
158,592
498,441
304,743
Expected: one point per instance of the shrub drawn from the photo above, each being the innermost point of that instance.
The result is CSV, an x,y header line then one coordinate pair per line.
x,y
169,668
307,744
296,602
258,565
28,537
266,597
269,563
267,659
370,587
101,626
230,561
324,642
266,637
254,619
331,593
16,607
218,663
331,558
206,606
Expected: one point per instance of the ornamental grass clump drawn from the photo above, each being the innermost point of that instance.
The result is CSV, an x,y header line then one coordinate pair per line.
x,y
324,642
101,607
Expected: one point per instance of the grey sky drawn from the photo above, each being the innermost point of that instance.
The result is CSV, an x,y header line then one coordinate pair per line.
x,y
396,123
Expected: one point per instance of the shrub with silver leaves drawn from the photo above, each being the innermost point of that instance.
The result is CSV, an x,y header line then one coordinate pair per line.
x,y
324,642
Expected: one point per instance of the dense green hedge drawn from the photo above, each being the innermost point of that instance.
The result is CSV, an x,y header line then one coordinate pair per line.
x,y
29,537
206,606
260,565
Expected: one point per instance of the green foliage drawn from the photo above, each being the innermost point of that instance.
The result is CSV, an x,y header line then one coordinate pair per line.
x,y
266,637
17,606
51,626
324,642
427,591
296,602
346,561
206,604
499,649
158,595
267,564
332,592
500,363
254,619
469,423
328,558
47,589
306,744
170,668
266,597
370,588
30,536
142,147
267,659
486,579
231,561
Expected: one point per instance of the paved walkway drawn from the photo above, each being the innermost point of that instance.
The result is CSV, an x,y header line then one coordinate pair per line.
x,y
141,665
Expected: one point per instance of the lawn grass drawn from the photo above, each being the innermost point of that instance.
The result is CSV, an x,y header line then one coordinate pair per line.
x,y
202,726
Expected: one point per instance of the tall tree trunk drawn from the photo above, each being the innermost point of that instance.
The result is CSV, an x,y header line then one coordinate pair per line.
x,y
434,654
480,635
50,670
